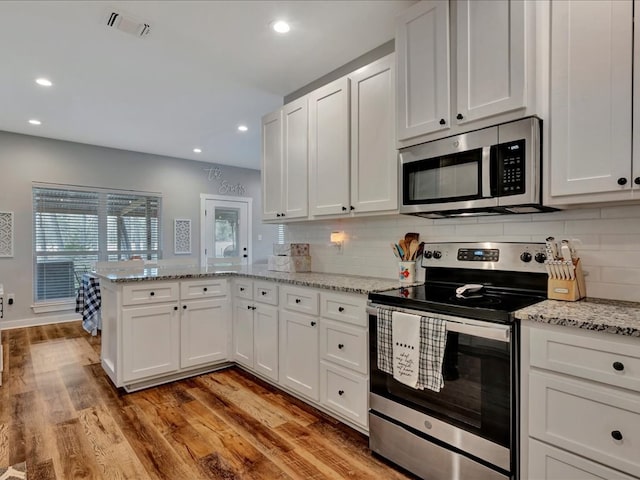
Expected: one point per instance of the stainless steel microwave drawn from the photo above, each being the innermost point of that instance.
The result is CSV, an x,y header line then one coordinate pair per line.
x,y
492,171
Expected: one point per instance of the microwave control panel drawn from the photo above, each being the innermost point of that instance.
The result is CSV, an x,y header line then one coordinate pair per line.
x,y
511,168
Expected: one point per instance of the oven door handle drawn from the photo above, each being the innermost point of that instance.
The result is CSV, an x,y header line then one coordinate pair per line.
x,y
495,332
491,331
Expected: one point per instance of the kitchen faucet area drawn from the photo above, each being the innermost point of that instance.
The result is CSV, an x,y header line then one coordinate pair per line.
x,y
198,200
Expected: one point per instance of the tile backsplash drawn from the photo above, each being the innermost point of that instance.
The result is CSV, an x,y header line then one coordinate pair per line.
x,y
607,240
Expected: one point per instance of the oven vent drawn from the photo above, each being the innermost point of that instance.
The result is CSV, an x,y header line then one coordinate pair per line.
x,y
127,24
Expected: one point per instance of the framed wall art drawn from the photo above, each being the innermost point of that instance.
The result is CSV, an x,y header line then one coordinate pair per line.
x,y
6,234
182,236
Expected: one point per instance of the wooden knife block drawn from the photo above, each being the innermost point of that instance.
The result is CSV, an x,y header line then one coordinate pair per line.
x,y
568,290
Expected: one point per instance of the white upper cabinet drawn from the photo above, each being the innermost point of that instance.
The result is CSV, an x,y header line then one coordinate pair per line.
x,y
285,162
491,57
590,133
272,165
374,165
295,158
483,51
422,46
329,148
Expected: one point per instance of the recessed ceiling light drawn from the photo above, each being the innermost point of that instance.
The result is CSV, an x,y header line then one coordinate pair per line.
x,y
243,128
197,150
33,121
281,26
45,82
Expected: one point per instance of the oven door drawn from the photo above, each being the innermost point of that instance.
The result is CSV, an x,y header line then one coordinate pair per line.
x,y
454,173
475,411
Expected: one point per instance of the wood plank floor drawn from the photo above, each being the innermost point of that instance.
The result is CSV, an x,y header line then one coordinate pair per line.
x,y
60,413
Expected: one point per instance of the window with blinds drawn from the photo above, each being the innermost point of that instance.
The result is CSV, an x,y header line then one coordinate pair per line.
x,y
75,227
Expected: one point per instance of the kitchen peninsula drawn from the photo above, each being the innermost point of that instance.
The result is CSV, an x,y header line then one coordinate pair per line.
x,y
305,332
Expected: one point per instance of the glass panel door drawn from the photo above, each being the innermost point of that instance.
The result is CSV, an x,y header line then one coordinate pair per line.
x,y
227,232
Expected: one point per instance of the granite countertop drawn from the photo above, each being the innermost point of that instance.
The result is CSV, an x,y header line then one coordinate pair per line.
x,y
330,281
611,316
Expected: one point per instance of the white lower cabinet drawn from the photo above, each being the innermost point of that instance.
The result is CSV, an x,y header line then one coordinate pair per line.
x,y
583,404
203,332
550,463
157,331
299,359
265,341
243,332
255,327
344,392
344,350
149,343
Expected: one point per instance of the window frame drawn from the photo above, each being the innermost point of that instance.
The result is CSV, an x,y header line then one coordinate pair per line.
x,y
107,200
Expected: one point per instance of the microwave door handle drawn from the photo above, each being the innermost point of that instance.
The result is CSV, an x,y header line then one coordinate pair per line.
x,y
486,172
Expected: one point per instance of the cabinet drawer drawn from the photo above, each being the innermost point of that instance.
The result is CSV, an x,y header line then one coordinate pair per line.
x,y
344,345
265,292
207,288
243,289
299,299
344,308
549,463
598,359
585,418
143,292
344,392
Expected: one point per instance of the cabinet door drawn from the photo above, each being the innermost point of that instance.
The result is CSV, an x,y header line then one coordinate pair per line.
x,y
549,463
243,332
490,58
272,166
203,332
590,98
422,46
374,159
598,422
295,158
150,341
329,148
299,359
265,339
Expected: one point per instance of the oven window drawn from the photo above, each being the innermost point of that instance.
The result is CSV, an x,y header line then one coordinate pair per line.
x,y
449,177
476,395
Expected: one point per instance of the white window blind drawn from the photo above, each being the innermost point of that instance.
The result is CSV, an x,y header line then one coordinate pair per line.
x,y
75,227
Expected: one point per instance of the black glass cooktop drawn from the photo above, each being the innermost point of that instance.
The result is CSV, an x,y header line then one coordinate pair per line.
x,y
493,304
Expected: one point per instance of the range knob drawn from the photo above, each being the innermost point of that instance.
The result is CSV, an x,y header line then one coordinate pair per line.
x,y
525,257
437,254
428,254
540,257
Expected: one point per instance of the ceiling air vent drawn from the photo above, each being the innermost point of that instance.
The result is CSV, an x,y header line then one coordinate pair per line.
x,y
127,24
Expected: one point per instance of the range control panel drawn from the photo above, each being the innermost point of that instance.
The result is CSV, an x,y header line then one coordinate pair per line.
x,y
513,256
478,254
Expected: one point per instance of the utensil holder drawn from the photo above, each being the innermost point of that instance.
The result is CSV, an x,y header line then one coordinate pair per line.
x,y
407,272
568,290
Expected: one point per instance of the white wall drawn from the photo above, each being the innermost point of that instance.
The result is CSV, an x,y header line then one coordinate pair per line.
x,y
609,242
25,159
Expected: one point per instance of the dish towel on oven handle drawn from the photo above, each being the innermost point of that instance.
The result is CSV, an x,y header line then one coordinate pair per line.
x,y
433,337
405,334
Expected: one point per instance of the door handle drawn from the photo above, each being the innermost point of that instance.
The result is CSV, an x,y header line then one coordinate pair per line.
x,y
486,172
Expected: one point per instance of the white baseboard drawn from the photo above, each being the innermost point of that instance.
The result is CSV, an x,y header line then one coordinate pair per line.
x,y
35,321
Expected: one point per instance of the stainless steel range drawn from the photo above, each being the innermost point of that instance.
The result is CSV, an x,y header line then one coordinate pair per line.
x,y
469,428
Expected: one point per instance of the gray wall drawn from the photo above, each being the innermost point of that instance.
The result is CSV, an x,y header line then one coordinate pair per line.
x,y
25,159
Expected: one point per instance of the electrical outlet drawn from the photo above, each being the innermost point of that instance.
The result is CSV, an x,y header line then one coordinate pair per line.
x,y
11,298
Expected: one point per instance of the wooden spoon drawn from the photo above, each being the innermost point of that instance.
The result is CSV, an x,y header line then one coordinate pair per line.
x,y
413,248
410,236
404,248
